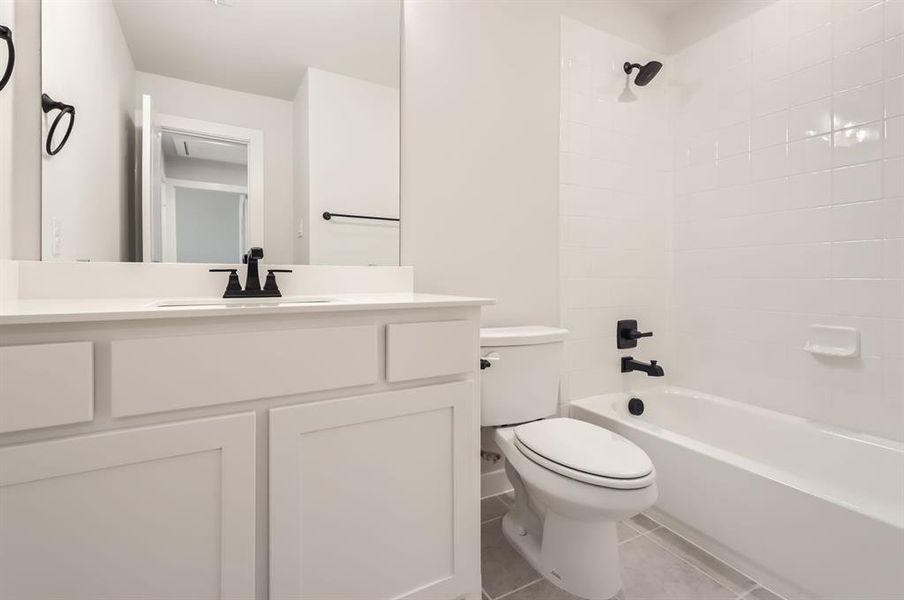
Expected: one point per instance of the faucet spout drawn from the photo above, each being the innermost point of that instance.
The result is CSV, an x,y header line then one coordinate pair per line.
x,y
652,369
253,279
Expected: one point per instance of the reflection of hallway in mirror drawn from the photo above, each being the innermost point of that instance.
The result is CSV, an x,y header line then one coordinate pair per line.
x,y
203,199
207,226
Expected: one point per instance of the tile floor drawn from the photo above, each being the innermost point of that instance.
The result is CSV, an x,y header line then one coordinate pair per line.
x,y
657,564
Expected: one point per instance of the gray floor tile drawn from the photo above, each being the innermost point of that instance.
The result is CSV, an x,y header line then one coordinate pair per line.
x,y
652,573
643,523
715,568
508,497
491,508
762,593
542,590
626,531
502,568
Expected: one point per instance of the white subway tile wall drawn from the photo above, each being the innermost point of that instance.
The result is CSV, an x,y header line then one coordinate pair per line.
x,y
781,206
815,235
615,207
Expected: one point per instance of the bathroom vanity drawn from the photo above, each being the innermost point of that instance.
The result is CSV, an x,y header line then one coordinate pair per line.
x,y
195,449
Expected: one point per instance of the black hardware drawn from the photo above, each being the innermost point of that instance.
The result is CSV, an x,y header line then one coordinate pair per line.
x,y
328,215
252,280
645,73
270,285
635,406
233,285
48,104
652,369
6,34
485,364
627,334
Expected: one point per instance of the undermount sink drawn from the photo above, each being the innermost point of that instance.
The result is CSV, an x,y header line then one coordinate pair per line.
x,y
241,302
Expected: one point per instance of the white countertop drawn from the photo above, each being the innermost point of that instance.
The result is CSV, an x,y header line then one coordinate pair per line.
x,y
21,312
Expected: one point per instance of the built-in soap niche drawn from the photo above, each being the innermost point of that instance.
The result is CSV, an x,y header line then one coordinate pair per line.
x,y
833,341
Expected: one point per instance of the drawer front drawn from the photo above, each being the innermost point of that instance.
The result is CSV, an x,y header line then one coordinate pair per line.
x,y
160,374
43,385
419,350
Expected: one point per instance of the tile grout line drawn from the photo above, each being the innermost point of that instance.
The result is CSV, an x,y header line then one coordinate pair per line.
x,y
756,583
692,565
646,534
518,589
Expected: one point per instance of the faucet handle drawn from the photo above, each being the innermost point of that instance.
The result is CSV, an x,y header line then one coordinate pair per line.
x,y
270,284
233,285
634,334
254,253
627,334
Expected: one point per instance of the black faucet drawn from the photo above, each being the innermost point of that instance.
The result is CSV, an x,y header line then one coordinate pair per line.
x,y
252,280
628,364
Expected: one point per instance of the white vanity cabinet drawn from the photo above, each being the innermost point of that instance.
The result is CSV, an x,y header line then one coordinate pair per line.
x,y
155,512
363,495
338,458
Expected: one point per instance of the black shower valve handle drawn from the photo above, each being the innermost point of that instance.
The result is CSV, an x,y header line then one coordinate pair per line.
x,y
627,334
634,334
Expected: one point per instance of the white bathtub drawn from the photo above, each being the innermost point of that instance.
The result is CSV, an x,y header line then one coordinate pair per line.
x,y
810,511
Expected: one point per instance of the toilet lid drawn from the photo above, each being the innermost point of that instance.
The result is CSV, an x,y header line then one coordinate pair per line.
x,y
585,447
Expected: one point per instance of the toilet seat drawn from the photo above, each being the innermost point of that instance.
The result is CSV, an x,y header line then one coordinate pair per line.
x,y
585,452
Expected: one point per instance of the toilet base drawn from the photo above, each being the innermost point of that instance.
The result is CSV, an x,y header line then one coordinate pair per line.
x,y
578,556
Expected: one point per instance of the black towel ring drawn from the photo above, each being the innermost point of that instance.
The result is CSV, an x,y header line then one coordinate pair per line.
x,y
49,104
7,34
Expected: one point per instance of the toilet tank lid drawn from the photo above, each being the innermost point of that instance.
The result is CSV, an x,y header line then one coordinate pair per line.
x,y
521,336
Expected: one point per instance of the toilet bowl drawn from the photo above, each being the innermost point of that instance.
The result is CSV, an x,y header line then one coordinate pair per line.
x,y
573,481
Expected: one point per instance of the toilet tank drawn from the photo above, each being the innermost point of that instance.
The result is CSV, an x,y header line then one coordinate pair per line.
x,y
523,382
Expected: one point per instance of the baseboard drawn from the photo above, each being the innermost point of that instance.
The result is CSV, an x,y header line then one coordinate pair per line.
x,y
494,483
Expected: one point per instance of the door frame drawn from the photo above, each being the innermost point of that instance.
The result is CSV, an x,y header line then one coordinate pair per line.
x,y
253,139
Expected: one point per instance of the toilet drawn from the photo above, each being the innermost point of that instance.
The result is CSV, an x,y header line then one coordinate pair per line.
x,y
573,481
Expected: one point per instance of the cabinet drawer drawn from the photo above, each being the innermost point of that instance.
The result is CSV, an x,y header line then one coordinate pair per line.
x,y
433,349
160,374
46,384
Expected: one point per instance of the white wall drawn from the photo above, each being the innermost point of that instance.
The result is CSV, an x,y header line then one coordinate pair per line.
x,y
615,197
20,147
301,243
480,101
270,115
211,171
352,167
7,18
86,187
789,210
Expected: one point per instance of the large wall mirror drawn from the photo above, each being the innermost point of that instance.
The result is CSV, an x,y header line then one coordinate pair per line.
x,y
199,128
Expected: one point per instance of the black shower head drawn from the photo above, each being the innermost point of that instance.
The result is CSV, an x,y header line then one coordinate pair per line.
x,y
645,73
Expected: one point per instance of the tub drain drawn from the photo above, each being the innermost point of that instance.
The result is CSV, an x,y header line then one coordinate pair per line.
x,y
635,406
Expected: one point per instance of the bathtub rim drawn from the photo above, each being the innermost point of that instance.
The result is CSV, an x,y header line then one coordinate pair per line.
x,y
781,476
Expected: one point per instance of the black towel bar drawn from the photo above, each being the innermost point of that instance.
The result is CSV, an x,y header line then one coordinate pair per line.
x,y
328,215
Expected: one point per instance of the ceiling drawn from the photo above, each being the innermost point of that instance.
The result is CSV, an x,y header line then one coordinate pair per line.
x,y
683,22
263,46
203,148
663,9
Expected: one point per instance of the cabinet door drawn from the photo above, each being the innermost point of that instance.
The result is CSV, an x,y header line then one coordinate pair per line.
x,y
164,512
376,496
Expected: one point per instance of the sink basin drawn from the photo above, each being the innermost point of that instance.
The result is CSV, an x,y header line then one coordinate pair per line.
x,y
241,302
